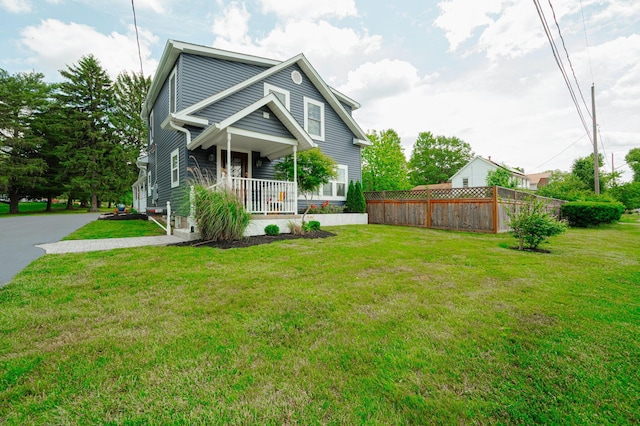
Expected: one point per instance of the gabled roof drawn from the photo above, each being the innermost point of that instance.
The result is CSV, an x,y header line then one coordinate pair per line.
x,y
273,103
492,163
174,48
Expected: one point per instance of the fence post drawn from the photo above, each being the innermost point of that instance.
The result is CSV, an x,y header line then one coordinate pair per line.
x,y
495,210
168,217
384,207
428,208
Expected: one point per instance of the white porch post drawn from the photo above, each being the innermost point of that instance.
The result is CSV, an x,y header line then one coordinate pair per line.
x,y
228,171
295,178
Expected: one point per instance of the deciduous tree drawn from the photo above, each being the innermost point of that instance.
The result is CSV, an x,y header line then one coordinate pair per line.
x,y
384,166
436,158
500,177
633,160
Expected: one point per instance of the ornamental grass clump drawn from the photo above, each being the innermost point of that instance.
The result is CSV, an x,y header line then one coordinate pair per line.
x,y
220,214
531,224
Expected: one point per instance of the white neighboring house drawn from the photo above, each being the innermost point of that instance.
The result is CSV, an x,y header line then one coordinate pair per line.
x,y
140,187
475,172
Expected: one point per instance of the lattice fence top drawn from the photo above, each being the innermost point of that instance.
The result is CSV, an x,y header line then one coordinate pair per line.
x,y
424,194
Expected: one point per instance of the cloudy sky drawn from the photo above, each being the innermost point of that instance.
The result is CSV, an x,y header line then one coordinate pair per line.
x,y
480,70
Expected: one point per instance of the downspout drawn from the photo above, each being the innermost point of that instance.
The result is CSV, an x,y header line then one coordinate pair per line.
x,y
181,129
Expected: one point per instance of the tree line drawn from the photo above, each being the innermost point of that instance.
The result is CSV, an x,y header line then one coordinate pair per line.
x,y
79,138
436,158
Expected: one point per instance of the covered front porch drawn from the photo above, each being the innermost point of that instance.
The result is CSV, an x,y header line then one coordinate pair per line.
x,y
244,151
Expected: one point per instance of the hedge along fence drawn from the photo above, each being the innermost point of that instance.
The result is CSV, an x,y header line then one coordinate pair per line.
x,y
480,209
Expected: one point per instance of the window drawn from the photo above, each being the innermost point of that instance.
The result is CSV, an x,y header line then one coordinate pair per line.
x,y
337,188
175,168
282,95
149,183
314,118
151,126
172,92
465,182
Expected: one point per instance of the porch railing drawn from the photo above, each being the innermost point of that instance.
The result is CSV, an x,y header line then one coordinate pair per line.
x,y
264,196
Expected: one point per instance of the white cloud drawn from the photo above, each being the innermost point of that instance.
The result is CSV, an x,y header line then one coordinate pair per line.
x,y
233,25
157,6
56,44
310,9
459,18
16,6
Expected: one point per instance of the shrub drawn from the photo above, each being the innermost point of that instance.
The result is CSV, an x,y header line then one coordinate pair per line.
x,y
295,227
351,204
312,225
585,214
272,230
325,208
532,225
220,215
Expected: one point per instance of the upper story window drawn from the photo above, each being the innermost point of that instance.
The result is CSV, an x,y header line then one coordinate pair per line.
x,y
172,92
314,118
282,95
175,168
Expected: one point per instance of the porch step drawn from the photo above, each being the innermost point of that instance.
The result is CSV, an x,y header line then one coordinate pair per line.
x,y
185,235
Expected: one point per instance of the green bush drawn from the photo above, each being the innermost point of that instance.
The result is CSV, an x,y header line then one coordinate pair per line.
x,y
361,205
585,214
532,225
272,230
220,215
312,225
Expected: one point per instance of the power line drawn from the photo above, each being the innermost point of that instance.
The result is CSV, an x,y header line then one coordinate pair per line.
x,y
556,56
135,24
586,40
564,46
558,154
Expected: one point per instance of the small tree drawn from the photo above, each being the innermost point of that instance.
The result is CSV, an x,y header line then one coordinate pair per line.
x,y
361,203
314,170
531,225
500,177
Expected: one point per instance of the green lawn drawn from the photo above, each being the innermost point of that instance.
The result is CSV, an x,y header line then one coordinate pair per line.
x,y
39,208
116,229
378,325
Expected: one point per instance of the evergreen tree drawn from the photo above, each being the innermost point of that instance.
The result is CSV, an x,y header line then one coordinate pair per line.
x,y
436,158
350,204
361,203
90,153
22,98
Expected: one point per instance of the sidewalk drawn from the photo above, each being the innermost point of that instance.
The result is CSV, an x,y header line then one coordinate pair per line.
x,y
77,246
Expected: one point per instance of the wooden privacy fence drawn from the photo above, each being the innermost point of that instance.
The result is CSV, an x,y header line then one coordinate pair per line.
x,y
481,209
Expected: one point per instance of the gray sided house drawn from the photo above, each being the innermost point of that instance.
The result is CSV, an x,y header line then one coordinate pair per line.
x,y
234,116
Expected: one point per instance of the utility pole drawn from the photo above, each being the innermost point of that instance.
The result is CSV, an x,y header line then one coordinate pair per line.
x,y
596,163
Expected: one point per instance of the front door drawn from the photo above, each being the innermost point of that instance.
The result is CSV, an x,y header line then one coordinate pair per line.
x,y
239,163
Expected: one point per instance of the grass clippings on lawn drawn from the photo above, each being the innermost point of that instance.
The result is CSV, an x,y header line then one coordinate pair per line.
x,y
377,325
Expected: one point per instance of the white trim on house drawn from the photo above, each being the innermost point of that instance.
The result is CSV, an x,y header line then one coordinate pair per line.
x,y
175,167
149,183
304,141
151,127
334,186
268,88
174,48
308,101
219,150
173,92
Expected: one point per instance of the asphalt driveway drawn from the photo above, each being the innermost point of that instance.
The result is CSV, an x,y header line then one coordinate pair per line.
x,y
18,235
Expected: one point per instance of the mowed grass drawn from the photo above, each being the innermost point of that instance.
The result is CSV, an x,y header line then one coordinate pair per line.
x,y
40,208
116,229
378,325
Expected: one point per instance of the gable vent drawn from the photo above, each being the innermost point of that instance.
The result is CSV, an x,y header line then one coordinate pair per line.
x,y
296,77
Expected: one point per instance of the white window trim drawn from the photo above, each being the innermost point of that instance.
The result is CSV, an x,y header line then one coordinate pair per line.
x,y
151,127
175,153
287,95
308,101
463,179
173,92
334,187
149,183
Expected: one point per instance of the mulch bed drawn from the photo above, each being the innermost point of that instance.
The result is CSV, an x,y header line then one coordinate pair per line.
x,y
254,241
123,216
